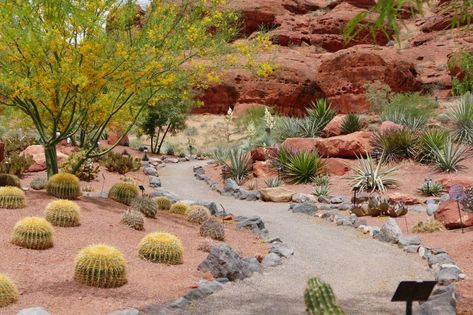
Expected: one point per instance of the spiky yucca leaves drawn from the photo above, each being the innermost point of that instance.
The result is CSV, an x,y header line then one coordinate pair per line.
x,y
100,266
8,291
11,197
431,189
462,117
64,186
134,219
350,123
39,182
9,180
213,229
145,205
123,193
428,226
273,182
300,167
239,165
161,247
449,158
372,176
164,203
433,138
396,144
320,299
321,112
179,208
63,213
33,233
198,214
402,117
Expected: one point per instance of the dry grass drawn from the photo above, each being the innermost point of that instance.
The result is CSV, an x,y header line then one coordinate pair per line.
x,y
428,226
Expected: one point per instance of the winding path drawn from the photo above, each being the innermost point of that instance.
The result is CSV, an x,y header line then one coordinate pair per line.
x,y
363,272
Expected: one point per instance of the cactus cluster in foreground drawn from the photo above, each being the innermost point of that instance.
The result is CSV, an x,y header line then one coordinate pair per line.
x,y
179,208
63,213
213,229
134,219
161,247
123,193
164,203
320,299
11,197
8,291
33,233
145,205
198,214
64,186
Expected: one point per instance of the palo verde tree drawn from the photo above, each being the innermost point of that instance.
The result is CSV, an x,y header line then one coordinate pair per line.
x,y
74,66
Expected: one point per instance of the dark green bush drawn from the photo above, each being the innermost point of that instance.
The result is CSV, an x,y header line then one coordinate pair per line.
x,y
350,123
300,167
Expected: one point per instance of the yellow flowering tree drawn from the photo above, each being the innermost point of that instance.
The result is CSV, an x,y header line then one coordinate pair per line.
x,y
76,67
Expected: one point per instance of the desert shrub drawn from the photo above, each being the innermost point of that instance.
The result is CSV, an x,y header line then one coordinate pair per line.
x,y
33,233
11,197
9,180
396,144
462,118
433,138
16,164
8,291
87,171
198,214
133,219
273,182
350,123
450,158
63,213
300,167
64,186
100,266
238,167
431,188
221,155
121,163
179,208
164,203
320,299
39,182
171,148
464,62
371,176
253,115
17,142
145,205
213,229
161,247
123,193
428,226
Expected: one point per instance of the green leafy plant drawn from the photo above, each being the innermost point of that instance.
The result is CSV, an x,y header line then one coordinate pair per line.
x,y
133,219
11,197
86,171
64,186
462,118
462,82
221,155
123,193
39,182
450,158
273,182
402,117
179,208
213,229
9,180
198,214
238,167
162,248
371,176
431,188
33,233
321,190
350,123
319,298
432,138
164,203
16,164
121,163
428,226
146,205
300,167
63,213
101,266
8,291
396,144
287,127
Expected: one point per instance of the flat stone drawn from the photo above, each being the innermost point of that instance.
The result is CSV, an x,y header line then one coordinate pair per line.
x,y
276,194
441,302
129,311
162,192
337,199
230,185
204,289
323,199
448,275
179,303
407,240
301,198
254,223
306,207
281,250
440,259
34,311
271,260
411,248
155,310
154,181
150,170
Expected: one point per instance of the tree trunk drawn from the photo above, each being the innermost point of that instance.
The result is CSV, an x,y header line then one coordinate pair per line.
x,y
162,139
51,159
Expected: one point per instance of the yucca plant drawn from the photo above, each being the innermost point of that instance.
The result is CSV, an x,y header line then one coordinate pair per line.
x,y
239,166
430,188
462,117
321,190
287,127
321,112
302,167
396,144
322,180
273,182
8,291
371,176
221,155
433,138
402,117
310,128
449,158
350,123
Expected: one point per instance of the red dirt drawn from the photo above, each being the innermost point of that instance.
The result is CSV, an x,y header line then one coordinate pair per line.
x,y
45,278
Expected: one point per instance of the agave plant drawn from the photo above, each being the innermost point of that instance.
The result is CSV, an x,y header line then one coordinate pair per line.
x,y
430,188
287,127
301,167
350,123
310,128
239,165
449,158
396,144
321,190
462,117
370,175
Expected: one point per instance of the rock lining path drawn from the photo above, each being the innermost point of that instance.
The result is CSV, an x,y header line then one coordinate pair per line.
x,y
363,272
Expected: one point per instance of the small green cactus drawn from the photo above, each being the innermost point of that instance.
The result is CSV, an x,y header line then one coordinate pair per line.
x,y
8,291
179,208
161,248
64,186
33,233
320,299
198,214
11,197
213,229
164,203
63,213
123,193
133,219
39,183
145,205
9,180
101,266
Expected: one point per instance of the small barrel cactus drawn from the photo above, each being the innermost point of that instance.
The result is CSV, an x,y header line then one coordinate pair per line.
x,y
11,197
101,266
33,233
39,183
213,229
9,180
8,291
63,213
123,193
64,186
161,248
145,205
164,203
198,214
134,219
179,208
320,299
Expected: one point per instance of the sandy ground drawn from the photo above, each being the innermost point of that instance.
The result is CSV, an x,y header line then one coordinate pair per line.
x,y
45,278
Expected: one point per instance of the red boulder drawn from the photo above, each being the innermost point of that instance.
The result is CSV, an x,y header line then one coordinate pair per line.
x,y
447,213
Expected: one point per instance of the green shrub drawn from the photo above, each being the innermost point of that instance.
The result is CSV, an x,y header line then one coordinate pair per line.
x,y
16,164
33,233
431,188
11,197
287,127
371,176
39,183
198,214
273,182
161,248
320,299
450,158
121,163
164,203
350,123
239,166
123,193
396,144
64,186
433,138
17,142
8,291
464,62
179,208
87,171
462,118
9,180
133,219
145,205
101,266
63,213
300,167
213,229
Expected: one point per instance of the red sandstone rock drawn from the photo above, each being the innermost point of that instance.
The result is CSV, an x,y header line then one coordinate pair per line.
x,y
263,153
447,213
113,137
449,180
37,152
388,125
407,199
444,15
336,167
333,128
262,169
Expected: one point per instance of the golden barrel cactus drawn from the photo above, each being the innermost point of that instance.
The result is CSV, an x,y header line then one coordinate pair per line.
x,y
63,213
8,291
198,214
33,233
123,193
179,208
64,186
164,203
11,197
161,247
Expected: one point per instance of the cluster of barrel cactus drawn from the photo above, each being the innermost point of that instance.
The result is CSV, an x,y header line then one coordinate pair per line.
x,y
179,208
9,180
161,247
320,299
64,186
380,206
63,213
133,219
39,183
123,193
11,197
8,291
145,205
198,214
213,229
164,203
101,266
33,233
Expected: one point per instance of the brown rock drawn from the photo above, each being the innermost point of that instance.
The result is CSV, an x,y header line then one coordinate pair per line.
x,y
407,199
263,153
276,194
113,137
333,128
445,14
449,180
262,169
447,213
2,151
336,167
388,125
37,152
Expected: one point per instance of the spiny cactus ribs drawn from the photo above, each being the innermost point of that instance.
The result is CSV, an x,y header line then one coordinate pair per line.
x,y
164,203
198,214
179,208
8,291
33,233
161,248
63,213
9,180
101,266
145,205
64,186
11,197
133,219
213,229
123,193
320,300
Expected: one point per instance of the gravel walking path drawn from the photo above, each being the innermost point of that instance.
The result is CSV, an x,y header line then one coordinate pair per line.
x,y
363,272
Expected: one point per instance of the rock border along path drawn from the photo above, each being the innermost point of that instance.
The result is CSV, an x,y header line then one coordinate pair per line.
x,y
363,273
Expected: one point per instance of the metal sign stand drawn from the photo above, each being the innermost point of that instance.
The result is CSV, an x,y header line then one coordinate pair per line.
x,y
410,291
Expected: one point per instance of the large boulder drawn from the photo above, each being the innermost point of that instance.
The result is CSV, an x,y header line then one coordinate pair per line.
x,y
449,180
113,137
336,167
262,169
334,127
389,232
276,194
444,15
447,214
345,146
37,152
263,153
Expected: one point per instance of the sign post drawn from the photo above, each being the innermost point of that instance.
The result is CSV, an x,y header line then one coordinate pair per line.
x,y
410,291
